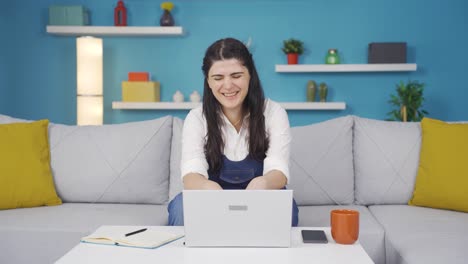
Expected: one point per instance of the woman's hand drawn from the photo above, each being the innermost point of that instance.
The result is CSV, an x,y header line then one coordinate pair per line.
x,y
258,183
195,181
272,180
211,185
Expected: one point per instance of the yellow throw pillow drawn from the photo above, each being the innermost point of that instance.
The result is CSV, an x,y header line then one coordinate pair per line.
x,y
25,173
442,180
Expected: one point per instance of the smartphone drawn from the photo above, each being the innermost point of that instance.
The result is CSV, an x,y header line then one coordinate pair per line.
x,y
314,236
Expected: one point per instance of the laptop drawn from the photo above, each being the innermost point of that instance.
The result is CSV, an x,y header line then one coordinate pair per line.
x,y
237,218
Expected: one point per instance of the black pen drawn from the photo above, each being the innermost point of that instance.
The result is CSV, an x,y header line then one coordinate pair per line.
x,y
136,232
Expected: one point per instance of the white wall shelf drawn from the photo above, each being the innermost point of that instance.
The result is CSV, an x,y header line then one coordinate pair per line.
x,y
114,31
390,67
190,105
314,106
154,105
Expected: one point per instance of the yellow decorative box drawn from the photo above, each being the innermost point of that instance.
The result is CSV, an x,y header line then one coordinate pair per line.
x,y
141,92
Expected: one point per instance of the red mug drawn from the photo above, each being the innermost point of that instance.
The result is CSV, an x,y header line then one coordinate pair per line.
x,y
344,226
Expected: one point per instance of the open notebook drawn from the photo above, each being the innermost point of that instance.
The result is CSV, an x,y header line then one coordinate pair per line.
x,y
115,235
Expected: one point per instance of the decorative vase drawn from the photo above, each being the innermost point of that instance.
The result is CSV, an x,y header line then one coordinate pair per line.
x,y
195,97
332,57
323,91
178,97
311,91
403,113
293,58
120,14
166,19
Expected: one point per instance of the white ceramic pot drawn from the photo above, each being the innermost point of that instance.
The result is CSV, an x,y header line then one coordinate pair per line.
x,y
195,97
178,97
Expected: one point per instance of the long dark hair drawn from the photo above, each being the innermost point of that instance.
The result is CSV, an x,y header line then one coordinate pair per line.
x,y
254,104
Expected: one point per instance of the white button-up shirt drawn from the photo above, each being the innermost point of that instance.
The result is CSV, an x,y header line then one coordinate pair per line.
x,y
236,144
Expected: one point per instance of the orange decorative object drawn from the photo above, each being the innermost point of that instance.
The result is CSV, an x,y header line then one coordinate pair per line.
x,y
344,226
120,14
138,76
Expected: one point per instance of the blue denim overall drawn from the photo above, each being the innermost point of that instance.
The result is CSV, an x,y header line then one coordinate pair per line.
x,y
233,175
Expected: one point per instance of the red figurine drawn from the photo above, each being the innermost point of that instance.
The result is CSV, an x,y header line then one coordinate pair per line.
x,y
120,14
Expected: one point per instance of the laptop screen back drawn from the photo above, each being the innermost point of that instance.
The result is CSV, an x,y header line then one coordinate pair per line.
x,y
237,218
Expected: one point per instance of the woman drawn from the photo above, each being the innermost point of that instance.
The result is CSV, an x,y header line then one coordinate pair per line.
x,y
237,139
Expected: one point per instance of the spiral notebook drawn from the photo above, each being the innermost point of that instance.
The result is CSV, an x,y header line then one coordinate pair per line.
x,y
116,236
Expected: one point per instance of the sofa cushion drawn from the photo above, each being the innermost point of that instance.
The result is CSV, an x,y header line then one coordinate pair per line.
x,y
386,157
47,233
82,217
25,174
327,148
443,173
122,163
119,163
175,180
423,235
371,234
4,119
321,163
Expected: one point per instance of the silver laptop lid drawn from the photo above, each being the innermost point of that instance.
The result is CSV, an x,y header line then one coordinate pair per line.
x,y
237,218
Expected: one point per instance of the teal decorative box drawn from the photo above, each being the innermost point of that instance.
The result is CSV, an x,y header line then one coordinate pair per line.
x,y
68,15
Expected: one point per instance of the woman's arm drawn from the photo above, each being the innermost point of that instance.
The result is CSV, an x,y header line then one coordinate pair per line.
x,y
276,162
195,181
193,165
273,179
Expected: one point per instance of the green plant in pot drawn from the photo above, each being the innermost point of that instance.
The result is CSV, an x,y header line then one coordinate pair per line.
x,y
293,48
408,100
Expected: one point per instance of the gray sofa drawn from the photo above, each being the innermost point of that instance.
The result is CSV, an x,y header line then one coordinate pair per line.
x,y
124,174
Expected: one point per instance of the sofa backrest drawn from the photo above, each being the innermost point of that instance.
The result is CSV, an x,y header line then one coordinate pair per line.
x,y
175,180
118,163
321,162
338,161
386,158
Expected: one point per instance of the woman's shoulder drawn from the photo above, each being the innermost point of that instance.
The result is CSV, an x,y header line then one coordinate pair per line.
x,y
272,107
275,116
195,115
196,112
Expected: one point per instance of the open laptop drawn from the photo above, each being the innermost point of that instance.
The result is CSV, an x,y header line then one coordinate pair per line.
x,y
237,218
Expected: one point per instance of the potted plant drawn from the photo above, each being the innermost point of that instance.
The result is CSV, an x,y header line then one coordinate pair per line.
x,y
408,101
166,19
293,48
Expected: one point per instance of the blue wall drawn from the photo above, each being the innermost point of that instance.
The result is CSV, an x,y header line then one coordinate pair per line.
x,y
4,69
44,66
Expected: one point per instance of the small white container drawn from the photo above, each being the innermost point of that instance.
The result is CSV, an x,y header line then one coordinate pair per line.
x,y
195,97
178,97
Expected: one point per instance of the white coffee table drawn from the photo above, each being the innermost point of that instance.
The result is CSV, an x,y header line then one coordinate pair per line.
x,y
176,252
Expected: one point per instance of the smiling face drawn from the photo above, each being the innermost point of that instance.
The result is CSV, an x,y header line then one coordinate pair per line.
x,y
229,82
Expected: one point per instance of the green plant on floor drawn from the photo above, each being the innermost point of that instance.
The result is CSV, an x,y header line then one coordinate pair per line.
x,y
408,100
293,46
